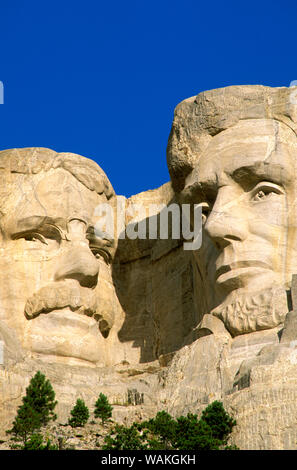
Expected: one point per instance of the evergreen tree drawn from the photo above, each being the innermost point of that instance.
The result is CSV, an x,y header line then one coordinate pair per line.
x,y
80,414
210,432
41,397
103,409
36,443
194,434
163,428
220,422
37,408
26,422
125,438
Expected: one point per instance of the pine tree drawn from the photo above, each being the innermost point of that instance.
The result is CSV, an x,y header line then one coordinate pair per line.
x,y
41,397
163,428
210,432
219,420
125,438
194,434
80,414
37,408
36,443
103,409
26,422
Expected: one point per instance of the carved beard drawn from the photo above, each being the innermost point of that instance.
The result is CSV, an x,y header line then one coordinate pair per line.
x,y
252,312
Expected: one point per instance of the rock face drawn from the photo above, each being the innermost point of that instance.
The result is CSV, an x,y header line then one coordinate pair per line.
x,y
124,310
76,303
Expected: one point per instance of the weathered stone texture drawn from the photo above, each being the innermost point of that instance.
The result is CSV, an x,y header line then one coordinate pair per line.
x,y
151,325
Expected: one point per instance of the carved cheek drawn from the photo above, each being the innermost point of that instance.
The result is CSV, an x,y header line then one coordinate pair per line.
x,y
269,219
268,227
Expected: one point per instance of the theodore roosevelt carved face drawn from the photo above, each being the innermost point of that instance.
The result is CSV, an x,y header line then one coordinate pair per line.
x,y
55,285
245,181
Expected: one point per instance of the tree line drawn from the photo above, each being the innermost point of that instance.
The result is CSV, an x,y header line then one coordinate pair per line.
x,y
209,432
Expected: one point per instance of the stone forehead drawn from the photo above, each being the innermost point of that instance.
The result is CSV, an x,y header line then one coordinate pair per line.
x,y
198,119
255,130
36,160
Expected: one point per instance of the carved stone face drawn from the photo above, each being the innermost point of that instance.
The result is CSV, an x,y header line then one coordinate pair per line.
x,y
246,185
55,284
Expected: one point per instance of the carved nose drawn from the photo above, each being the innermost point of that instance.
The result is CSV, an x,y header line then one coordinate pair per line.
x,y
78,263
226,223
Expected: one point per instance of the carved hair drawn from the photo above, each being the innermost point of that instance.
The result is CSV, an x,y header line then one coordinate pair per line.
x,y
36,160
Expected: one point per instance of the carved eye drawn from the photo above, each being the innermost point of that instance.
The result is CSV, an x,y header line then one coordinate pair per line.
x,y
260,195
34,237
264,191
100,253
47,235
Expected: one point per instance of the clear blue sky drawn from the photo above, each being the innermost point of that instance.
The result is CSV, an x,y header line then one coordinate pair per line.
x,y
102,78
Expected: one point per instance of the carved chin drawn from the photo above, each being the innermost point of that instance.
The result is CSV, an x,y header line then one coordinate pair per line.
x,y
248,313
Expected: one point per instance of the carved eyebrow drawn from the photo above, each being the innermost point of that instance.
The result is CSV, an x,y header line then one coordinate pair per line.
x,y
34,223
246,175
274,172
201,191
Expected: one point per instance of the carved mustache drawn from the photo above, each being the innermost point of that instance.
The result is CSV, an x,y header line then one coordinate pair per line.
x,y
63,294
69,293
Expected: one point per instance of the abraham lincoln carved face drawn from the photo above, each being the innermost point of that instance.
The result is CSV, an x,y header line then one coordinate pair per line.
x,y
244,177
55,287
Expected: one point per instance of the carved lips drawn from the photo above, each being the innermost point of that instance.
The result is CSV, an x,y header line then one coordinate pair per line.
x,y
238,265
